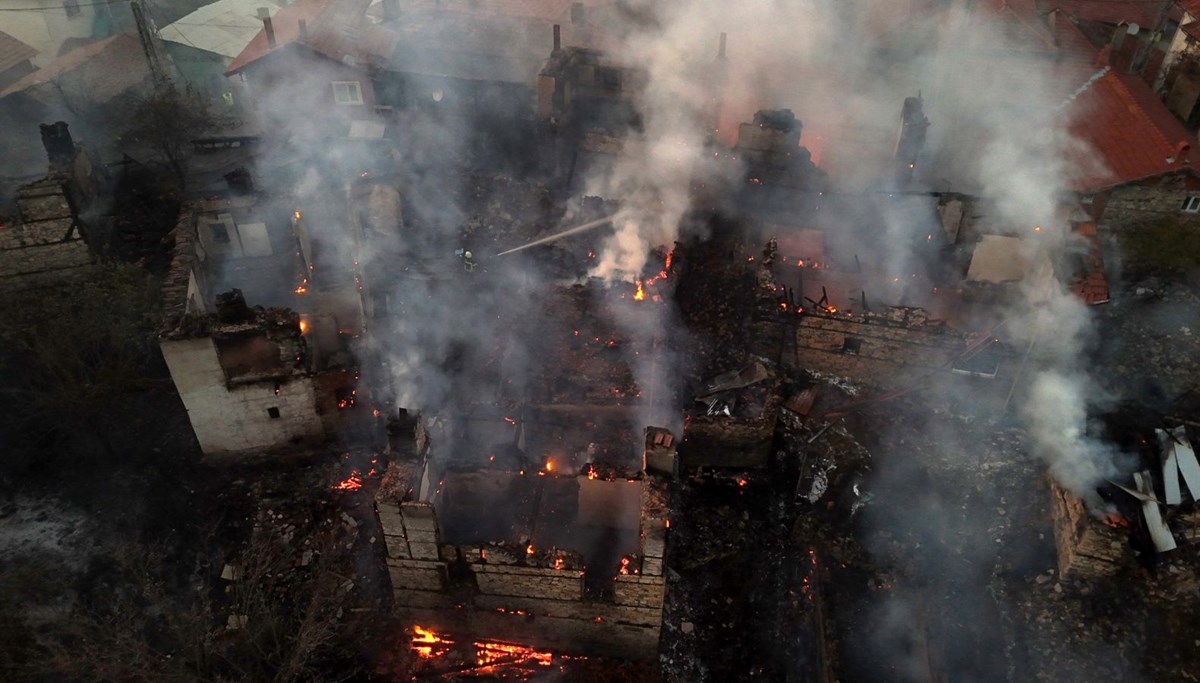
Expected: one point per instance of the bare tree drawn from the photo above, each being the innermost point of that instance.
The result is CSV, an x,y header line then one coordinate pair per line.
x,y
167,119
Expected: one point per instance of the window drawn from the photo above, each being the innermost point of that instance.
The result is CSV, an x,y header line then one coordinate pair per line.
x,y
608,78
851,345
273,413
219,232
1191,204
347,92
71,7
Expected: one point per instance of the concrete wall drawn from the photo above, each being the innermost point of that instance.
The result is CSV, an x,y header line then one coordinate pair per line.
x,y
236,419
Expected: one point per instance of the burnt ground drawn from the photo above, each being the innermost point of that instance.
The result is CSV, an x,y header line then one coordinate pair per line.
x,y
930,554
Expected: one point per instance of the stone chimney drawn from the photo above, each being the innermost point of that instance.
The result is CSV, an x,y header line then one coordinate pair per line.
x,y
910,141
60,148
231,307
557,37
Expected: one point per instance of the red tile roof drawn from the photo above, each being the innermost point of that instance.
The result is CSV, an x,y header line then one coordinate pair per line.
x,y
1192,7
13,51
1192,29
103,69
328,23
1130,130
1138,12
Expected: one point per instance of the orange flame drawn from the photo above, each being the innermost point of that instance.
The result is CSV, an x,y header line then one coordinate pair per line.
x,y
639,294
549,465
303,326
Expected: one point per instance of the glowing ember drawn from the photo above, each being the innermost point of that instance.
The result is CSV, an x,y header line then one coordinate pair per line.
x,y
296,215
350,483
549,465
639,295
558,563
303,326
624,570
529,549
667,262
1116,521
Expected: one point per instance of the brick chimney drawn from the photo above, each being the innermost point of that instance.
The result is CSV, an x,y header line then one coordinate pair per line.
x,y
60,148
557,37
268,27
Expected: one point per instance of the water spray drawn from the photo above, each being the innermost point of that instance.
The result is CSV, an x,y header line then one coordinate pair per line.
x,y
565,233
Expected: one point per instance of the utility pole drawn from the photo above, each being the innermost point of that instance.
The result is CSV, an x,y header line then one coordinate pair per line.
x,y
1144,48
151,47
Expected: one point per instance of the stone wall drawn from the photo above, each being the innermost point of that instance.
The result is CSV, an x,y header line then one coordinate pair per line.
x,y
242,418
1129,206
535,597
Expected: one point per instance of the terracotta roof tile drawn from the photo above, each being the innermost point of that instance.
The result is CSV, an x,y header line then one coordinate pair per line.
x,y
13,51
1138,12
1131,131
105,68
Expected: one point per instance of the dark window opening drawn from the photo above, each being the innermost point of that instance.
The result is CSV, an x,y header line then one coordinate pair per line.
x,y
608,78
220,233
851,345
1191,204
71,7
273,413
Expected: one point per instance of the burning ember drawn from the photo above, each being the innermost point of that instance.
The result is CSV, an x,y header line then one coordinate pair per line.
x,y
1116,521
350,483
488,655
303,326
639,295
549,465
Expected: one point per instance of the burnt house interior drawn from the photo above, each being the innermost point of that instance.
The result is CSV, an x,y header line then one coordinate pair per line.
x,y
555,341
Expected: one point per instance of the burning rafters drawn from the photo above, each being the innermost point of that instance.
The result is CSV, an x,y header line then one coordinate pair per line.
x,y
474,658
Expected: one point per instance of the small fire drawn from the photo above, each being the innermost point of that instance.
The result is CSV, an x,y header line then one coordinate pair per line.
x,y
529,549
558,563
639,295
302,288
424,640
549,465
296,215
624,570
303,326
350,483
1037,228
1116,521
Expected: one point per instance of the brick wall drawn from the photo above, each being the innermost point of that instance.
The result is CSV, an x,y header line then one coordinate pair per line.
x,y
1086,547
